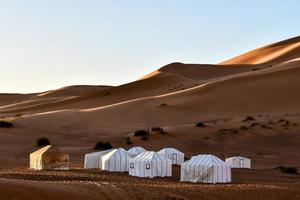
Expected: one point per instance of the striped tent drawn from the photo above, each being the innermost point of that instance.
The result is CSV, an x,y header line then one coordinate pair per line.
x,y
117,160
205,169
49,157
150,164
92,160
134,151
176,156
239,162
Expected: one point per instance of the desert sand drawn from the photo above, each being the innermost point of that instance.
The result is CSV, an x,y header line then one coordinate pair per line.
x,y
263,83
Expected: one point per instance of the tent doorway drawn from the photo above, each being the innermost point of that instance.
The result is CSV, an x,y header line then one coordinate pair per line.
x,y
242,163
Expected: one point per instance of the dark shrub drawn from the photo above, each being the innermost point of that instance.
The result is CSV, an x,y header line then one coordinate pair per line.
x,y
128,141
200,124
244,128
265,126
141,133
41,142
5,124
254,124
288,170
145,137
103,146
248,118
19,115
163,105
158,130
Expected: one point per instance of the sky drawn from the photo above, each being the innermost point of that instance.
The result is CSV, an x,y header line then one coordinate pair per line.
x,y
48,44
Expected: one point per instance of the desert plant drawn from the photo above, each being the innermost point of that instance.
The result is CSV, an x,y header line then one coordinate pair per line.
x,y
249,118
5,124
244,128
43,141
158,130
128,141
288,170
141,133
19,115
163,104
145,137
200,124
102,146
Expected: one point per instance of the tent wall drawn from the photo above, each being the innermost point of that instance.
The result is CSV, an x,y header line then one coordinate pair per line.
x,y
205,169
93,160
174,155
115,161
157,166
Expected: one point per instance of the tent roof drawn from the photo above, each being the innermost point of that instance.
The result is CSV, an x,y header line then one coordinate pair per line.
x,y
169,150
242,157
205,160
41,151
149,156
136,150
99,152
114,151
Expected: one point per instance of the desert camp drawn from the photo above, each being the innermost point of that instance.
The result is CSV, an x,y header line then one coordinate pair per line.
x,y
134,151
49,157
94,160
115,160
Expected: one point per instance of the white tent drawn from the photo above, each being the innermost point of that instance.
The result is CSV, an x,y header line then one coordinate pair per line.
x,y
134,151
49,157
239,162
176,156
150,164
117,160
92,160
205,169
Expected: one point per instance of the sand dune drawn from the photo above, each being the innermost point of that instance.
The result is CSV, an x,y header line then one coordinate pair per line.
x,y
271,54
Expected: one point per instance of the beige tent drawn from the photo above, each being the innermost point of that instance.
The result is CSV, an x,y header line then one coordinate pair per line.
x,y
49,157
239,162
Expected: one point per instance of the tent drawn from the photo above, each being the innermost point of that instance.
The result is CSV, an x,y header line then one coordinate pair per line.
x,y
92,160
239,162
150,164
115,160
49,157
176,156
205,169
134,151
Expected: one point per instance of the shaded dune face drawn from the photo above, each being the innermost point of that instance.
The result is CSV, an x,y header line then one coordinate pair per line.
x,y
263,81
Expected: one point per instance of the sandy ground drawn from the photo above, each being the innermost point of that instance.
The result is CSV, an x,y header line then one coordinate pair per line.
x,y
78,184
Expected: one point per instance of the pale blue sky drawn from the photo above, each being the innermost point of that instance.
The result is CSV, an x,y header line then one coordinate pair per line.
x,y
46,44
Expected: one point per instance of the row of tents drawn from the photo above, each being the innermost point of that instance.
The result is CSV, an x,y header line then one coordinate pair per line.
x,y
139,162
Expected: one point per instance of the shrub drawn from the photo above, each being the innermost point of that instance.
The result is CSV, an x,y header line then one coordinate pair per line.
x,y
158,130
128,141
41,142
145,137
249,118
288,170
141,133
200,124
254,124
5,124
103,146
163,104
19,115
265,126
244,128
